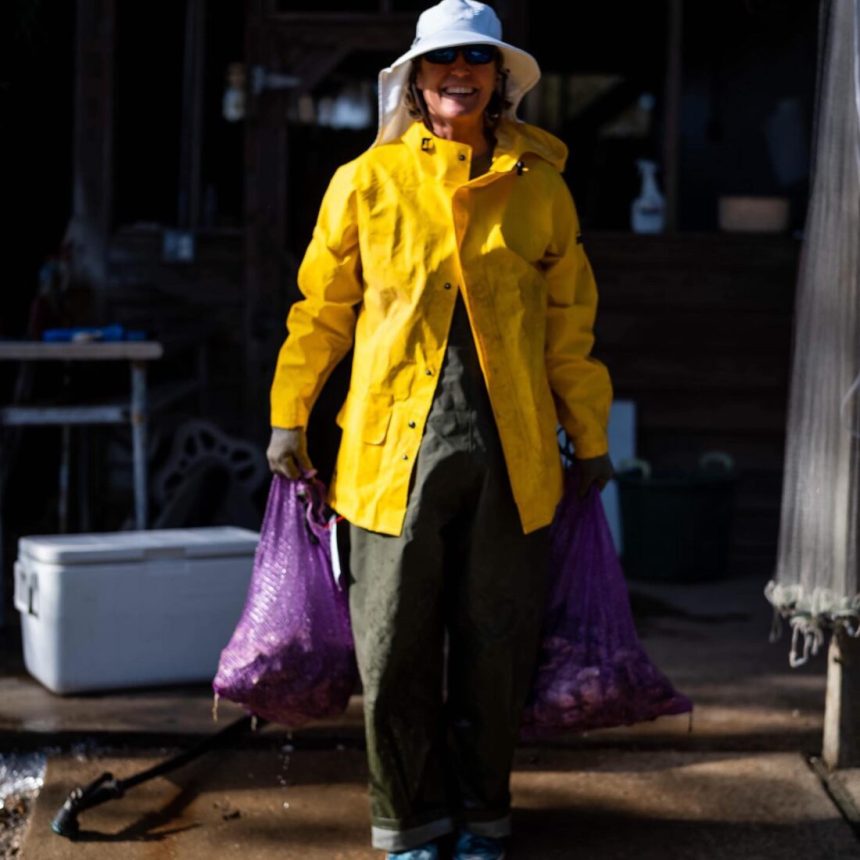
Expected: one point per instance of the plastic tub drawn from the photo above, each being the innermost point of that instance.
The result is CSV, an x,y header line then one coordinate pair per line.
x,y
676,525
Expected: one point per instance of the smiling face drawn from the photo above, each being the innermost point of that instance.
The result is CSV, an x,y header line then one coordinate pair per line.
x,y
457,94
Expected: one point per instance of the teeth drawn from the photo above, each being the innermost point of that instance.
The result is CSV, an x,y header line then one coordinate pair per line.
x,y
464,91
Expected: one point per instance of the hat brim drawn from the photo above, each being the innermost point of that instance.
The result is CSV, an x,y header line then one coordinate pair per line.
x,y
522,68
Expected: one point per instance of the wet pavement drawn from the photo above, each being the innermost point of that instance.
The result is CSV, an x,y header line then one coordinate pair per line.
x,y
568,804
740,781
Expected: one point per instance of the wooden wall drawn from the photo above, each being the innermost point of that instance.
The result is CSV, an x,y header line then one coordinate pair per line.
x,y
188,307
696,329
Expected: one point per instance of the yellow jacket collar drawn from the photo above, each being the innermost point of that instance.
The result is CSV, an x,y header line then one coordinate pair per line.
x,y
514,142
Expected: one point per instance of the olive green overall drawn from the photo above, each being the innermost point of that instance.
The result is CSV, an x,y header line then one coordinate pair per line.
x,y
462,576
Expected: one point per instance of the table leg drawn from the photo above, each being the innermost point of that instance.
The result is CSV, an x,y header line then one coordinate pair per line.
x,y
138,439
83,481
65,469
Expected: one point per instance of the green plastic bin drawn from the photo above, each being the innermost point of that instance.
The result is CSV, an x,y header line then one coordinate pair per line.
x,y
676,526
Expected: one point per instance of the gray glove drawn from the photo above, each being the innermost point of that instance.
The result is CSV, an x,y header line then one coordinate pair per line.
x,y
594,470
288,452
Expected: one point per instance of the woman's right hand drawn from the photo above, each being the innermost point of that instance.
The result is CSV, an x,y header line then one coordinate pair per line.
x,y
288,453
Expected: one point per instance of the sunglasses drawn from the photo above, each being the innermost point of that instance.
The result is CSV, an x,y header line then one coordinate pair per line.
x,y
474,55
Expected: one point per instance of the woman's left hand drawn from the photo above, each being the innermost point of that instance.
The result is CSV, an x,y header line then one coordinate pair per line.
x,y
594,470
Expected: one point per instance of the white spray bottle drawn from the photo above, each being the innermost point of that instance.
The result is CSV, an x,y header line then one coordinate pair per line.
x,y
648,210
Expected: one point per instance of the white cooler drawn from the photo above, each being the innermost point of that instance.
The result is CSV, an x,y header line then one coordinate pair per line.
x,y
126,609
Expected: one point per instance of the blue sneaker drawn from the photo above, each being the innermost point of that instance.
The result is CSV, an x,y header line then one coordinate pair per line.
x,y
471,846
430,851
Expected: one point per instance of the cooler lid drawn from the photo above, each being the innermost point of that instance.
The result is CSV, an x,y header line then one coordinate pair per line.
x,y
206,542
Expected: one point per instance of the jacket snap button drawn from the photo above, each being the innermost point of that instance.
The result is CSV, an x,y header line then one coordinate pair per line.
x,y
461,157
405,457
447,286
428,372
411,425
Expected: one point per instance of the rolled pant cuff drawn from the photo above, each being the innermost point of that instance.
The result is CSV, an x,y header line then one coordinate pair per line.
x,y
498,828
389,839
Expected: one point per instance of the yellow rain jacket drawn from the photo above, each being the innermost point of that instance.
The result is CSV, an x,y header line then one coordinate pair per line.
x,y
401,231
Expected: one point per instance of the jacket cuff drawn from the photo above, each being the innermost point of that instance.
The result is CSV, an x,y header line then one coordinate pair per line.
x,y
591,443
586,452
287,416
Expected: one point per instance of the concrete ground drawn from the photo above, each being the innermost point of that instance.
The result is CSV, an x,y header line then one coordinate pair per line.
x,y
596,803
741,781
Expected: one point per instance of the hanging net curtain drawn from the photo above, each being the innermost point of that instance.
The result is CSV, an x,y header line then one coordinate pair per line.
x,y
816,582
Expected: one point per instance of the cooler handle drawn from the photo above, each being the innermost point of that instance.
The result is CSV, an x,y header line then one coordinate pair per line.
x,y
26,591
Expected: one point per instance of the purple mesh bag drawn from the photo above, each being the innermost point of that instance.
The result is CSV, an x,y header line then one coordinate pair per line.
x,y
592,672
291,658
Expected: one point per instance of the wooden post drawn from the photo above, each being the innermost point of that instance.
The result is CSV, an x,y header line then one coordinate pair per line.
x,y
672,113
93,138
139,445
191,131
266,274
841,746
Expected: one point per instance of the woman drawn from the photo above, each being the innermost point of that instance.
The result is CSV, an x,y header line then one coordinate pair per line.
x,y
449,256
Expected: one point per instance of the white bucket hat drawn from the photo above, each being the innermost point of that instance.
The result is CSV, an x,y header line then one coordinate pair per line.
x,y
445,25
